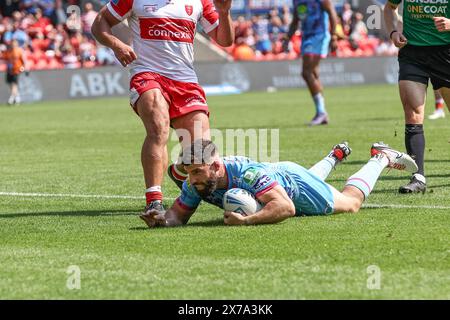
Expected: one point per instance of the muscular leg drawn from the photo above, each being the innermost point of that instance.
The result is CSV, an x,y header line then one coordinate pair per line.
x,y
310,74
190,127
154,112
445,93
413,96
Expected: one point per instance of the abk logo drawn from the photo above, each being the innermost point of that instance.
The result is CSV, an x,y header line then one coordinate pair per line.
x,y
189,9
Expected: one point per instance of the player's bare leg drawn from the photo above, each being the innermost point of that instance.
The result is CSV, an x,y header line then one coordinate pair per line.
x,y
445,93
14,96
190,127
413,95
310,74
438,106
154,112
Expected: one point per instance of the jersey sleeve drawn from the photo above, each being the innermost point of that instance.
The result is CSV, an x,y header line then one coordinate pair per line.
x,y
188,199
258,181
120,9
210,18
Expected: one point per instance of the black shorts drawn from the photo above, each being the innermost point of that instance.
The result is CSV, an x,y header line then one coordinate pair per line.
x,y
420,64
12,78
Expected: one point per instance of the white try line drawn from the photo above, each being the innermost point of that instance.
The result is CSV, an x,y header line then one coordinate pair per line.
x,y
99,196
403,206
67,195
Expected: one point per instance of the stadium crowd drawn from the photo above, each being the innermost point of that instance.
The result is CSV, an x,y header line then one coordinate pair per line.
x,y
261,37
53,39
50,37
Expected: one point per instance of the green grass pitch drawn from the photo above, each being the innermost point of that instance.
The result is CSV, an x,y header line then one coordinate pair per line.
x,y
92,147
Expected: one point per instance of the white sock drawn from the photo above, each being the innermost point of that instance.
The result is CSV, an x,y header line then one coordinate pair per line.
x,y
153,189
323,168
368,175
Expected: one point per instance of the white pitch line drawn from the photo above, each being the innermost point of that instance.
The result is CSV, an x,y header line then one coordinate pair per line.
x,y
99,196
402,206
66,195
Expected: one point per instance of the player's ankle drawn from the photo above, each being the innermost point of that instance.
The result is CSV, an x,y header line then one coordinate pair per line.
x,y
153,194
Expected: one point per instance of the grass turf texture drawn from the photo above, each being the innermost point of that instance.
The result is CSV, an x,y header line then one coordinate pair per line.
x,y
93,147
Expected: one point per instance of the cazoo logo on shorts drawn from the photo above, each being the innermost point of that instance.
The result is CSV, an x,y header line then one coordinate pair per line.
x,y
168,29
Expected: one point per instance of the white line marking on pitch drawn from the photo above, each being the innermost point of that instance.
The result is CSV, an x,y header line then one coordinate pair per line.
x,y
99,196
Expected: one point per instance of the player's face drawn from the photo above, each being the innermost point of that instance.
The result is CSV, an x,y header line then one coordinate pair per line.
x,y
203,177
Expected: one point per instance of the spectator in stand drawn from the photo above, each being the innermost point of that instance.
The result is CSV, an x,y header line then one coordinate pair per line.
x,y
359,30
7,7
261,29
16,34
60,13
41,26
87,19
340,33
241,27
70,58
29,6
276,33
48,9
87,51
347,14
286,16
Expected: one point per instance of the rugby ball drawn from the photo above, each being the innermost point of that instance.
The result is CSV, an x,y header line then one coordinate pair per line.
x,y
240,201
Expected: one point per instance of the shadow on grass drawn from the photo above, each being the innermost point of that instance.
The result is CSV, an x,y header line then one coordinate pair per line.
x,y
204,224
89,213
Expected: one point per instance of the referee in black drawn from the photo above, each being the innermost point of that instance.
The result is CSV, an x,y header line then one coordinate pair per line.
x,y
424,55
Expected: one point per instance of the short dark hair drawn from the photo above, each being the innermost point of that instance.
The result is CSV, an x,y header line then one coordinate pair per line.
x,y
200,151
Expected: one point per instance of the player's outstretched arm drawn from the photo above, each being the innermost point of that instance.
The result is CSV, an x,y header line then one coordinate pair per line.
x,y
277,207
101,29
224,33
176,216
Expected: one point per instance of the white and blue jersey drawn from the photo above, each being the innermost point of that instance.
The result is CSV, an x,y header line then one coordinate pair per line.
x,y
310,194
315,27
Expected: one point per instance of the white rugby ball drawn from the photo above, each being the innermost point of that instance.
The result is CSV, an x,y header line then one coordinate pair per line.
x,y
240,201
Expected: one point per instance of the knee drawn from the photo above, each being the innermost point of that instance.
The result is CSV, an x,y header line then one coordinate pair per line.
x,y
413,115
307,74
353,205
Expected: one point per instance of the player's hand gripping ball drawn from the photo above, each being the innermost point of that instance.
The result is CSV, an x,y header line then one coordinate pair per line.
x,y
240,201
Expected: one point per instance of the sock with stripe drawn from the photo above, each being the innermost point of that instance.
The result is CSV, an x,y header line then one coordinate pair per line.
x,y
153,193
368,175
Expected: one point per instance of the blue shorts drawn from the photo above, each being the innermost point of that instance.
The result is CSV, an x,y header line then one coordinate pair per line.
x,y
315,196
316,44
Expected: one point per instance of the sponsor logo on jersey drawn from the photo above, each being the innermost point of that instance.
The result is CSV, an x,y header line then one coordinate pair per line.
x,y
168,29
262,182
189,9
250,176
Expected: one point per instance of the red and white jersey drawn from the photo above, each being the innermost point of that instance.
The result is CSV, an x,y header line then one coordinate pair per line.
x,y
163,33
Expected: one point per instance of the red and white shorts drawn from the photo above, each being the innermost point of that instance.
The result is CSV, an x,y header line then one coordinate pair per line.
x,y
182,97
